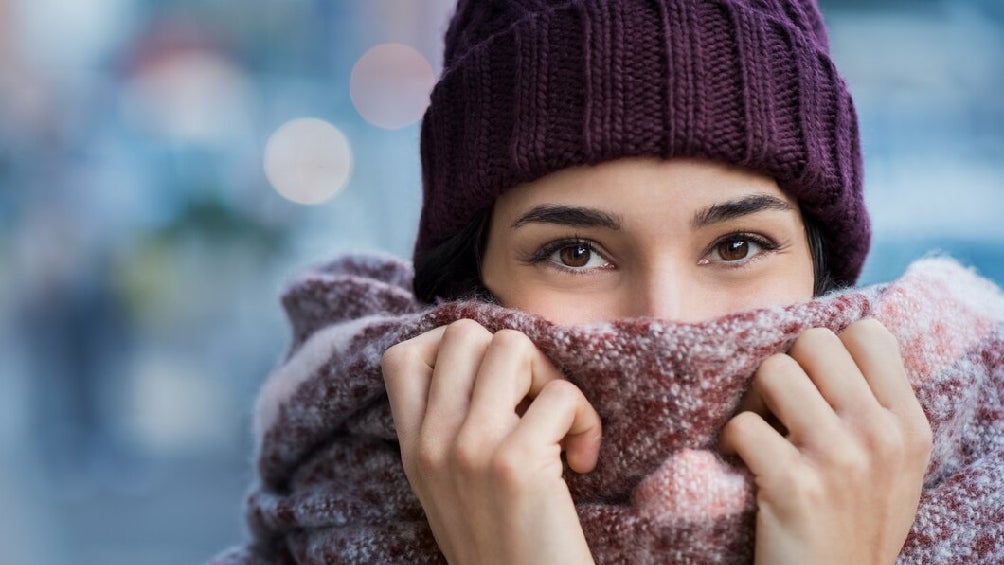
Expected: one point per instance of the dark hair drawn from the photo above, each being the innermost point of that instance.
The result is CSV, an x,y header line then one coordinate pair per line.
x,y
823,280
452,269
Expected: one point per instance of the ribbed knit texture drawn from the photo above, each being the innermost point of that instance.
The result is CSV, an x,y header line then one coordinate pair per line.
x,y
530,87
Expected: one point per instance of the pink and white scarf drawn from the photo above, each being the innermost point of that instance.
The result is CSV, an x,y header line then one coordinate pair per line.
x,y
330,486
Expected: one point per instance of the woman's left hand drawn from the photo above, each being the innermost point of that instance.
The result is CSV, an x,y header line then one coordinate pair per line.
x,y
841,481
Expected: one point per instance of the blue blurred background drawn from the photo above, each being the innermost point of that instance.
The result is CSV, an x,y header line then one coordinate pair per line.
x,y
152,201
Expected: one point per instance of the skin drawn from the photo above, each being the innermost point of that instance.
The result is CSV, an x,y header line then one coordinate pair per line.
x,y
831,430
666,255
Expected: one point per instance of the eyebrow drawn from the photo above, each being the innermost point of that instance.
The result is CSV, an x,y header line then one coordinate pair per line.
x,y
732,209
569,216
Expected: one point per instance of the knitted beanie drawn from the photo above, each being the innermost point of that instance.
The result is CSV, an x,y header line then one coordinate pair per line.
x,y
530,87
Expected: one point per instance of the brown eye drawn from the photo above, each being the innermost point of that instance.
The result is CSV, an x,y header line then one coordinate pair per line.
x,y
576,255
572,257
736,250
733,249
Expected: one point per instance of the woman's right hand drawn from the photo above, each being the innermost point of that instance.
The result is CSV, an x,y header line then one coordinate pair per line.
x,y
487,473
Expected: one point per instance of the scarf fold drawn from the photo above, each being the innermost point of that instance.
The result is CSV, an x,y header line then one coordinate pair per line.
x,y
330,487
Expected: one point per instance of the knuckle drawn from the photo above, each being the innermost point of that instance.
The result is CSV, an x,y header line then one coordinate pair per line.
x,y
871,327
396,358
887,443
777,364
871,331
428,458
743,433
803,489
737,425
562,391
745,419
473,448
467,454
812,339
507,467
512,340
774,363
465,328
851,463
392,355
820,334
808,489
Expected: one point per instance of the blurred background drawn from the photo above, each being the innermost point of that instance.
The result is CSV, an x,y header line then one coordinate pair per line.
x,y
153,199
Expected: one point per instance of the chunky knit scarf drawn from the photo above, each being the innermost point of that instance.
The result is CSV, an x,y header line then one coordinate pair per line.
x,y
331,489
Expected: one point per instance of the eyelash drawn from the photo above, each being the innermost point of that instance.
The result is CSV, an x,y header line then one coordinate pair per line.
x,y
544,253
765,243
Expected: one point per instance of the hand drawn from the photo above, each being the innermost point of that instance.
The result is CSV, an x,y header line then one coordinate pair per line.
x,y
841,480
487,473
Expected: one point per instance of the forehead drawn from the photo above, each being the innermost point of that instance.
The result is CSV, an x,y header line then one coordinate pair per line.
x,y
641,186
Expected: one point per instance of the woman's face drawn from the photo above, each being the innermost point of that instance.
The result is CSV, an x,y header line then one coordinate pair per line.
x,y
682,239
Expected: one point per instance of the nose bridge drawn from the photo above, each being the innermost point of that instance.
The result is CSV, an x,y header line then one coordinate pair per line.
x,y
663,293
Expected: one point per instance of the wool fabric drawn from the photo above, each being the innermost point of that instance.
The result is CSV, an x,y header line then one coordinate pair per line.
x,y
331,489
530,87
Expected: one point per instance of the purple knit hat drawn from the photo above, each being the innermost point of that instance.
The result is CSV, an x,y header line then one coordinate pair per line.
x,y
533,86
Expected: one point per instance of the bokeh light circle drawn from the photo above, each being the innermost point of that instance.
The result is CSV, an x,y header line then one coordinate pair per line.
x,y
308,160
390,85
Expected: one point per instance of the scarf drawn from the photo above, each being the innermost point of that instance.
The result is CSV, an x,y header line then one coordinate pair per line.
x,y
331,489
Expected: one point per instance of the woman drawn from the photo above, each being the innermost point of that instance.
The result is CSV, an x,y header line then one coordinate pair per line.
x,y
684,240
643,198
617,230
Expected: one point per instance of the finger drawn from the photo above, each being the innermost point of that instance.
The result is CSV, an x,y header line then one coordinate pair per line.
x,y
876,352
560,414
825,359
752,401
460,352
407,370
790,395
512,370
759,445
